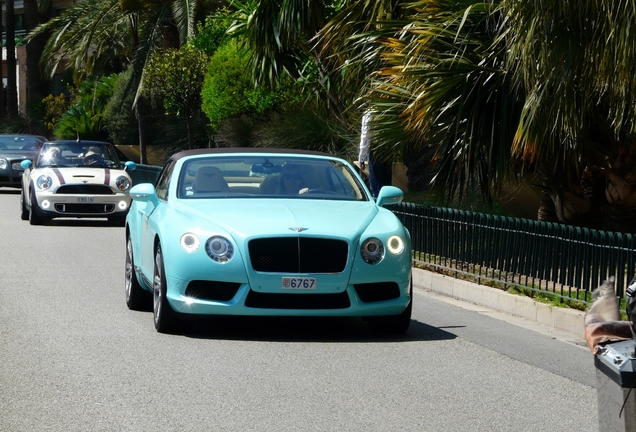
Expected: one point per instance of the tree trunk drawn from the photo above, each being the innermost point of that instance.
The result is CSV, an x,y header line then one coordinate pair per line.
x,y
36,86
141,126
3,112
190,126
12,90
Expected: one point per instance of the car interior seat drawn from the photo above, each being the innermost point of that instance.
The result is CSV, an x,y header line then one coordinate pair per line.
x,y
209,179
269,185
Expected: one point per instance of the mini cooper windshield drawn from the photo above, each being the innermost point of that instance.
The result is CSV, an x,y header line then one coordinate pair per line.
x,y
71,155
269,177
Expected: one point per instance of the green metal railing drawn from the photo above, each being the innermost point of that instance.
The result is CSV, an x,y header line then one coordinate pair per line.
x,y
561,260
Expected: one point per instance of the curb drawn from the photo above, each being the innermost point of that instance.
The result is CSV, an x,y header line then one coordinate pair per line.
x,y
564,319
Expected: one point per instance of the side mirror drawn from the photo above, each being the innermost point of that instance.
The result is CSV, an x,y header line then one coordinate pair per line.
x,y
26,163
129,165
144,192
389,195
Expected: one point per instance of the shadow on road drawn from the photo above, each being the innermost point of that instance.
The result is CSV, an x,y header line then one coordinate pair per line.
x,y
82,222
9,191
301,329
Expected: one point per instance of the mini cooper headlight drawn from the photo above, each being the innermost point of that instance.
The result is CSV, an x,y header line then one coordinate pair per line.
x,y
190,242
372,250
219,249
395,245
3,164
122,183
44,182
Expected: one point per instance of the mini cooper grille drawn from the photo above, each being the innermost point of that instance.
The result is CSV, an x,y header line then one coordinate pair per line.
x,y
297,301
379,291
85,208
298,255
15,166
212,290
85,189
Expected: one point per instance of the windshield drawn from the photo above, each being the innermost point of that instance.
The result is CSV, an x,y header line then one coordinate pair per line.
x,y
87,155
277,176
20,142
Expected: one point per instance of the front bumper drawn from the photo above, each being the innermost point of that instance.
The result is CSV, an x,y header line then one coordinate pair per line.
x,y
67,205
11,178
250,302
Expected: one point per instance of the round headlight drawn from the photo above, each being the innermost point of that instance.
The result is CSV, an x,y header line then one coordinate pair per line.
x,y
122,183
395,245
3,164
44,182
372,250
190,242
219,249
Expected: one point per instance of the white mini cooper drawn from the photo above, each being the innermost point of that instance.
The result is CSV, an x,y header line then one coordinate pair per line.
x,y
75,179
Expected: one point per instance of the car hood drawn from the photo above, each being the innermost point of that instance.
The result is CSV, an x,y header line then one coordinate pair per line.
x,y
79,175
254,217
17,154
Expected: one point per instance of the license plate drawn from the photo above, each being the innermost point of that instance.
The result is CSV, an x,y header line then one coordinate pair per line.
x,y
301,283
85,199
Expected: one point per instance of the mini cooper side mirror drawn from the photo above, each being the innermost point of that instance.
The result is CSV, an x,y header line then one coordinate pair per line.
x,y
129,165
389,195
25,164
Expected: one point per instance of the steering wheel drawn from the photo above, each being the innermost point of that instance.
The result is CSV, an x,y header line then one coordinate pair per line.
x,y
97,163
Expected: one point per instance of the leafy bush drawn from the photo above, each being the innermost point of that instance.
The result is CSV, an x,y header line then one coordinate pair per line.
x,y
84,116
228,88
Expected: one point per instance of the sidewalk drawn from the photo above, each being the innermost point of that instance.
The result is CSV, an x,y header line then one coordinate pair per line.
x,y
563,319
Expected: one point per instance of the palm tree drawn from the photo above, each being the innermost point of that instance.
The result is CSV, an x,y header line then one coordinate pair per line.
x,y
575,65
12,90
101,36
35,13
440,84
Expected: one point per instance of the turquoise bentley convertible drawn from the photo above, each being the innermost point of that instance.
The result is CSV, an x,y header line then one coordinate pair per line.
x,y
266,233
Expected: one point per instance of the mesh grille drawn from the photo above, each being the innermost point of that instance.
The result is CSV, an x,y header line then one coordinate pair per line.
x,y
379,291
212,290
85,208
297,301
298,255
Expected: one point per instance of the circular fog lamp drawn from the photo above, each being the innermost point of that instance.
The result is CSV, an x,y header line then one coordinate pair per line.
x,y
46,204
122,205
395,245
189,242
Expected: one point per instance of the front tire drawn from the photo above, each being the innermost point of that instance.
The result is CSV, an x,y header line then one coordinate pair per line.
x,y
394,324
34,216
136,297
163,314
24,211
119,220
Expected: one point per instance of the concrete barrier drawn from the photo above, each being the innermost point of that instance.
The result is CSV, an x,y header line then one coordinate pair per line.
x,y
564,319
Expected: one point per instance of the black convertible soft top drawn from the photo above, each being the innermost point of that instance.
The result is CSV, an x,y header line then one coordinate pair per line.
x,y
227,150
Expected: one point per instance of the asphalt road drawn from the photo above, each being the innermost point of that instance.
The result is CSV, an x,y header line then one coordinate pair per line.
x,y
74,358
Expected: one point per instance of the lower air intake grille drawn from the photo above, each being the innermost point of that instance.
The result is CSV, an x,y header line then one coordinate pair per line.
x,y
297,301
298,255
379,291
212,290
85,208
